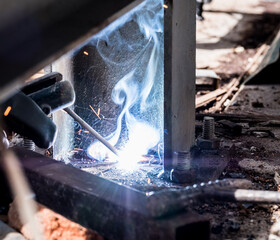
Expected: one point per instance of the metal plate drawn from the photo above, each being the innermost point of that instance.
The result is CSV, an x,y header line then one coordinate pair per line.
x,y
113,210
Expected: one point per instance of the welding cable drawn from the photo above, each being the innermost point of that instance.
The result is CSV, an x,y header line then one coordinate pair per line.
x,y
91,130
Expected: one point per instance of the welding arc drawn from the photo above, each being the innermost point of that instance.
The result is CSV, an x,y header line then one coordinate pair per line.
x,y
91,130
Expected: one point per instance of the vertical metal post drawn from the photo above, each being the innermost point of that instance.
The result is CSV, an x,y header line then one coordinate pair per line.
x,y
179,78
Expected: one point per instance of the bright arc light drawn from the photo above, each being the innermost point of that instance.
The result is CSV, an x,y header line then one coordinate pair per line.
x,y
127,161
142,138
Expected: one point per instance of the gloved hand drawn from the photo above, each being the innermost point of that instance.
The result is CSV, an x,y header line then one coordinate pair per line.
x,y
22,115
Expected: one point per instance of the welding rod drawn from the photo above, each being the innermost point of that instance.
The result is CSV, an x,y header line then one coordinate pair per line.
x,y
170,202
246,196
91,130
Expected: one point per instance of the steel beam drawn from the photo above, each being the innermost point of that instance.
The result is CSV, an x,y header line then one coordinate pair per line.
x,y
179,78
35,33
115,211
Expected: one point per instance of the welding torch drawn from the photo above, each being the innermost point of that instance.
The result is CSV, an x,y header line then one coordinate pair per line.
x,y
52,94
77,118
39,98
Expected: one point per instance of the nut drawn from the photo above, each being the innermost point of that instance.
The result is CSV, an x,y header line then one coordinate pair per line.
x,y
208,144
182,176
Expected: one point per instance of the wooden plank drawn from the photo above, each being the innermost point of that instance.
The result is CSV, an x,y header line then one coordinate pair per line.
x,y
209,97
249,69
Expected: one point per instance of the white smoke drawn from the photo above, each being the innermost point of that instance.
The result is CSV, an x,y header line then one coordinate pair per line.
x,y
140,92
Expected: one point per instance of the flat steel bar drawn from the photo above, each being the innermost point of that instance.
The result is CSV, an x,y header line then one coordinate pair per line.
x,y
113,210
35,33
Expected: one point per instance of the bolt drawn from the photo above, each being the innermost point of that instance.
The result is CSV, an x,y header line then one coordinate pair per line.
x,y
182,173
28,144
183,160
208,128
208,140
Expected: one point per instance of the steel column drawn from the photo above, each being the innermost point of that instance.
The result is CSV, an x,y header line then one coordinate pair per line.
x,y
179,78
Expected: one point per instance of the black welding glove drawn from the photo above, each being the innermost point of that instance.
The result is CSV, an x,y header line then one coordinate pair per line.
x,y
25,112
55,97
22,115
50,92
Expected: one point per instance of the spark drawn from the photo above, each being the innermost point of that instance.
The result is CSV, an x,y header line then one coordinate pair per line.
x,y
79,132
86,131
7,111
149,180
79,149
97,114
165,6
74,151
86,53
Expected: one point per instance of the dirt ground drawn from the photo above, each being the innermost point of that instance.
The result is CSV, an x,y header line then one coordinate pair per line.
x,y
256,159
232,32
227,40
